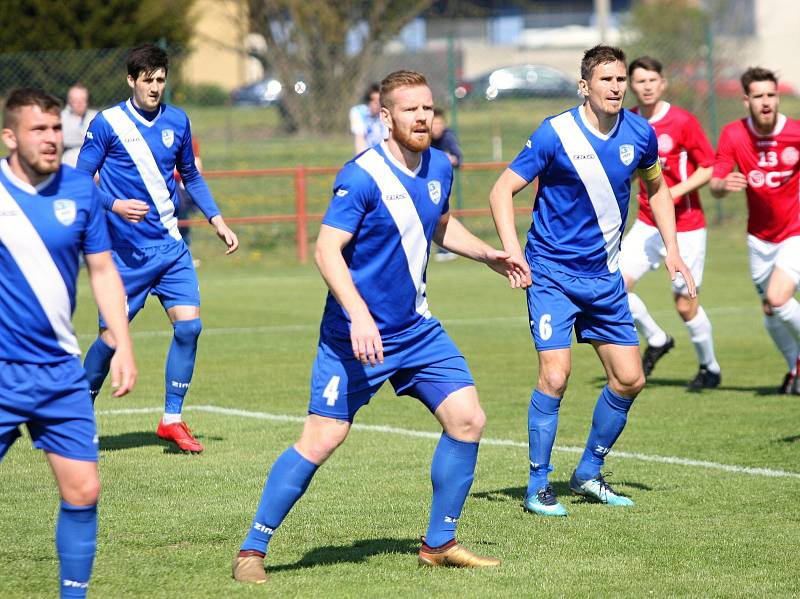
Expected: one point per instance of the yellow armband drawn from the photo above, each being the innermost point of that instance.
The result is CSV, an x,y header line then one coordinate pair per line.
x,y
652,172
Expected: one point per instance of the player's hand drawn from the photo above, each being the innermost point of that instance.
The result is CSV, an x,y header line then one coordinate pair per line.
x,y
225,234
366,340
512,266
123,371
675,265
132,211
735,181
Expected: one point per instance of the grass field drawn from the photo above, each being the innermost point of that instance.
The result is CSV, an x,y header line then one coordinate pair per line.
x,y
170,523
715,476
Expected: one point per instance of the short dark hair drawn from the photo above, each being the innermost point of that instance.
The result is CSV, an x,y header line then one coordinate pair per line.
x,y
374,88
398,79
147,59
648,63
757,74
600,54
28,96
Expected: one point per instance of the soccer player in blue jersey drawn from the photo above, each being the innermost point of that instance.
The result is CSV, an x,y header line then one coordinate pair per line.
x,y
388,204
584,159
48,215
136,146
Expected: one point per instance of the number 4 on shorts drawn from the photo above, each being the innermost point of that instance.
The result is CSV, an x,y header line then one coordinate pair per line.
x,y
331,392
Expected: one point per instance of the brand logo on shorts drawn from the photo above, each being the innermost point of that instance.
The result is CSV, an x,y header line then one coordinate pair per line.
x,y
89,135
65,211
168,136
435,191
341,193
529,145
626,154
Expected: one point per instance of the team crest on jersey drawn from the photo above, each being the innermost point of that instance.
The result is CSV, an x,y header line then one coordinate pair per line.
x,y
65,211
168,137
435,191
665,143
626,154
790,156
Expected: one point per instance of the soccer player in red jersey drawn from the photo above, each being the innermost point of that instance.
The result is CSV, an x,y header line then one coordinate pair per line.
x,y
765,147
687,159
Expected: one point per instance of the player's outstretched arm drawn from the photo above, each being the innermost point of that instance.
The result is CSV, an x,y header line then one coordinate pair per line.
x,y
501,201
664,214
454,236
722,186
109,294
225,233
364,334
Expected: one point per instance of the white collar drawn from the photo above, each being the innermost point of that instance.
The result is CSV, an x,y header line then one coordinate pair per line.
x,y
660,114
139,117
399,164
780,123
23,185
592,129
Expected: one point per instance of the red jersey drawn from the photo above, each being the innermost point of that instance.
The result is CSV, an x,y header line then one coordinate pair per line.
x,y
682,148
772,166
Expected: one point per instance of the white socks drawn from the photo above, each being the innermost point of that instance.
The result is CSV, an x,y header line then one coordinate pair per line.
x,y
171,418
783,339
700,334
654,334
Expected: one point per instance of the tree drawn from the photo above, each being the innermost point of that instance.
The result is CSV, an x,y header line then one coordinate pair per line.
x,y
330,46
43,25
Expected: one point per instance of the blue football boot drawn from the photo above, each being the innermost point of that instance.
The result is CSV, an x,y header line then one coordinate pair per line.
x,y
544,502
598,489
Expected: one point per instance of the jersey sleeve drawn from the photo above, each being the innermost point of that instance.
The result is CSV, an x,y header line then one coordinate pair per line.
x,y
697,145
95,237
537,153
725,159
95,146
193,181
352,192
650,154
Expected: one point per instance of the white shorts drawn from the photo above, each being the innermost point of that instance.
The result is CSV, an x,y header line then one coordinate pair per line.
x,y
643,250
766,255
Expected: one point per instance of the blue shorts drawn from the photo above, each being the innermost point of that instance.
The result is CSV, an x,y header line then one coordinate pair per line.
x,y
165,271
53,401
422,362
597,307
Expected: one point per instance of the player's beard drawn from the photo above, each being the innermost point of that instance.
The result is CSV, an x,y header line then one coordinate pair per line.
x,y
413,140
37,162
765,122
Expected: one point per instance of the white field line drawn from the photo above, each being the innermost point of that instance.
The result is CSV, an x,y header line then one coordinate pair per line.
x,y
519,319
676,461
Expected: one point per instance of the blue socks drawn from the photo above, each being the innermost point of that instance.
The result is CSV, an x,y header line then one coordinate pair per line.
x,y
76,543
287,481
610,416
96,365
180,363
542,426
452,471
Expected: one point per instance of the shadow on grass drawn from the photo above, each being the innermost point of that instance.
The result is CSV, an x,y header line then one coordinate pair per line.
x,y
791,439
517,494
132,440
681,383
355,553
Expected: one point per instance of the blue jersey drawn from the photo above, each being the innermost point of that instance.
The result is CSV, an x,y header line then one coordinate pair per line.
x,y
136,158
392,214
42,230
584,188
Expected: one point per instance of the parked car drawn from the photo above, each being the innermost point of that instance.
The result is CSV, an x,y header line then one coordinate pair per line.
x,y
520,81
267,92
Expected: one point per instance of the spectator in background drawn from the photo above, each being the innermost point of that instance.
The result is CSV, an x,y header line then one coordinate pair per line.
x,y
365,120
444,139
75,119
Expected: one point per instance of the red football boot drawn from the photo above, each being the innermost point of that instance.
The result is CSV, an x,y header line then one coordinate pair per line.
x,y
179,433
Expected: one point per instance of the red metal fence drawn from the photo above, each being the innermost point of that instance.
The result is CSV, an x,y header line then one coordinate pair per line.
x,y
300,216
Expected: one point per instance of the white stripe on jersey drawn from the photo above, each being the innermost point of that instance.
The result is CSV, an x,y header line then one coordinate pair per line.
x,y
131,138
594,179
34,260
405,216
